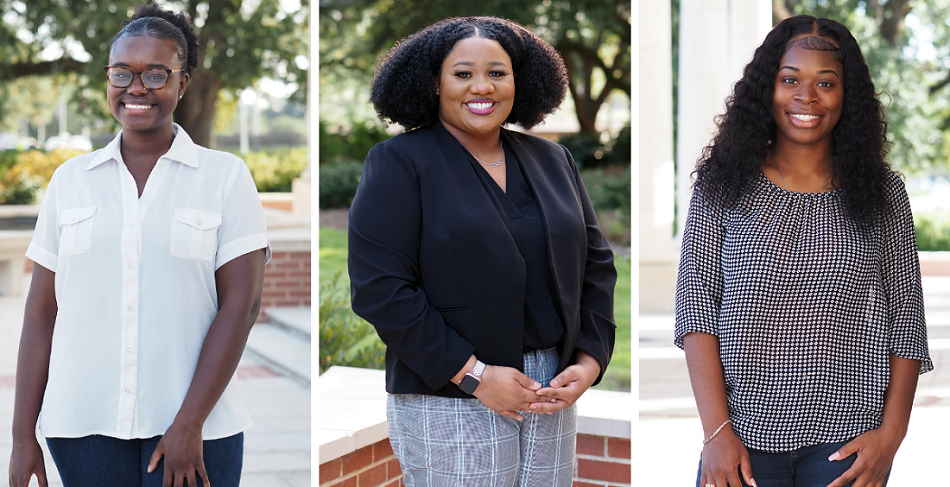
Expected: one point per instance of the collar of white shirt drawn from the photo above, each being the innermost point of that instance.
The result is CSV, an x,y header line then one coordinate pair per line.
x,y
183,150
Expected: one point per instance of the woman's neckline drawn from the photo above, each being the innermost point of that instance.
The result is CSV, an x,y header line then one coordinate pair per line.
x,y
788,191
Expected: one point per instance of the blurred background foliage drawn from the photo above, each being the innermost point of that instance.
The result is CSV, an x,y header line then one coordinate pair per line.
x,y
50,45
907,47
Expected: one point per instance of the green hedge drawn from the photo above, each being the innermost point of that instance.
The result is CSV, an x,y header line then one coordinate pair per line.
x,y
25,174
591,151
932,231
345,339
338,183
275,170
350,145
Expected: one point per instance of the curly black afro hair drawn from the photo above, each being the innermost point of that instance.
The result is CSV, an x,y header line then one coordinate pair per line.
x,y
733,158
403,88
154,21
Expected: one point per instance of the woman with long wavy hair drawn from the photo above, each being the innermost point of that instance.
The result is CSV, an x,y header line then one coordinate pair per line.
x,y
799,302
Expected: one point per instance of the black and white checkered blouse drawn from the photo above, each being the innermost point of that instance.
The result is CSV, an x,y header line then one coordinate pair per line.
x,y
807,310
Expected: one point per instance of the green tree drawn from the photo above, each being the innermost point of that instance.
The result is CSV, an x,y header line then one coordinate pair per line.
x,y
913,83
592,35
243,41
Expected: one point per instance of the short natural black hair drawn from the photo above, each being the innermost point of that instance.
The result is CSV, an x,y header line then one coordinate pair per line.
x,y
154,21
733,158
403,88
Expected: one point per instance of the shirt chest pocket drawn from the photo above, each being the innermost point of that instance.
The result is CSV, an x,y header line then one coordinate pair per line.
x,y
195,234
76,230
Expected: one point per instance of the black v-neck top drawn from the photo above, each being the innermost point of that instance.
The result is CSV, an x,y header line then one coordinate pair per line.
x,y
518,209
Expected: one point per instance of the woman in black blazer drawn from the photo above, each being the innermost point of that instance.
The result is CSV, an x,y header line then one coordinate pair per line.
x,y
476,254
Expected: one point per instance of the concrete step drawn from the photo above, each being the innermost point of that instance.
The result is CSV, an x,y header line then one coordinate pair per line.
x,y
287,352
295,320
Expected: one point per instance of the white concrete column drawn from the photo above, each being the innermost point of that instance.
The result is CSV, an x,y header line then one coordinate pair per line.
x,y
749,22
717,39
658,254
704,82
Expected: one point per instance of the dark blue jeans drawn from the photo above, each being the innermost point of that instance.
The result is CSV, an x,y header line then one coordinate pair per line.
x,y
805,467
103,461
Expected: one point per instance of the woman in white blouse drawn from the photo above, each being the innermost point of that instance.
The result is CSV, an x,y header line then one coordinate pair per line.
x,y
149,259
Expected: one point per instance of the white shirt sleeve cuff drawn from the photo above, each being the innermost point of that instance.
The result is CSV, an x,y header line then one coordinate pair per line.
x,y
241,246
42,257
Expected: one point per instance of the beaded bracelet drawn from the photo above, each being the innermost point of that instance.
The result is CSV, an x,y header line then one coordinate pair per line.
x,y
723,425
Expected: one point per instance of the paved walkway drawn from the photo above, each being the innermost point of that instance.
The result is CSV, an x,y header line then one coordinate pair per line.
x,y
670,434
277,448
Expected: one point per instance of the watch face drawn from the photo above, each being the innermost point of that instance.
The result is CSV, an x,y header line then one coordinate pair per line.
x,y
468,384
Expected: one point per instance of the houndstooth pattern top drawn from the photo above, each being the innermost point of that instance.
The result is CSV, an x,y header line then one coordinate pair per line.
x,y
807,308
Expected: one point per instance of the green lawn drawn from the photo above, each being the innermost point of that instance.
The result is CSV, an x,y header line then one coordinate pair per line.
x,y
333,259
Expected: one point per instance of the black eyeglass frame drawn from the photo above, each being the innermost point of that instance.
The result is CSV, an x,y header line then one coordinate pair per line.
x,y
168,74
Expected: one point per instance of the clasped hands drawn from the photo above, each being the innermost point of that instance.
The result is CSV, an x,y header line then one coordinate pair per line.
x,y
507,390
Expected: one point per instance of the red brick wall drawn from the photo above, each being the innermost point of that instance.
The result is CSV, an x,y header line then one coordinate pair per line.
x,y
286,280
601,462
370,466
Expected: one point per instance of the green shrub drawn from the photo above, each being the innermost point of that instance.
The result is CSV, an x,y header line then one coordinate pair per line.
x,y
349,145
275,170
345,339
932,231
338,184
23,175
609,189
591,151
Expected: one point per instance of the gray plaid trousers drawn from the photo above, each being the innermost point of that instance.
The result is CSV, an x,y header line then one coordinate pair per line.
x,y
446,442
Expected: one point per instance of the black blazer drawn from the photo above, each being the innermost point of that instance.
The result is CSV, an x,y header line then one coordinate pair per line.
x,y
434,269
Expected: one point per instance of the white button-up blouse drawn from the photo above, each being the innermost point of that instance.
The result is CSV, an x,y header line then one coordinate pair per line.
x,y
135,285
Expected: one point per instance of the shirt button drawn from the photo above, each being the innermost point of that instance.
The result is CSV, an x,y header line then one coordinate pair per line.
x,y
130,308
128,350
132,225
199,222
131,266
128,391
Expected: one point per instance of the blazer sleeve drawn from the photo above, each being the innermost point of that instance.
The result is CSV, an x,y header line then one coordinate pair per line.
x,y
597,325
385,229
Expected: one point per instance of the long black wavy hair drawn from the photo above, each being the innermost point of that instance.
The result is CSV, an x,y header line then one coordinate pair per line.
x,y
403,88
154,21
733,159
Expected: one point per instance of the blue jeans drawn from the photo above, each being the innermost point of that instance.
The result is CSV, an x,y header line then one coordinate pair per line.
x,y
104,461
805,467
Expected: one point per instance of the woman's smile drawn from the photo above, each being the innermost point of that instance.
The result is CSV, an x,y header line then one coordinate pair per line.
x,y
481,107
808,97
476,88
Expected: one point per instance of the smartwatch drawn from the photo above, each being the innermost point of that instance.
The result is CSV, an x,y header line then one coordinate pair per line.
x,y
472,378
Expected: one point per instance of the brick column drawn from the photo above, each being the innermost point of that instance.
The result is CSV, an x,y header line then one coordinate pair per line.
x,y
602,462
371,466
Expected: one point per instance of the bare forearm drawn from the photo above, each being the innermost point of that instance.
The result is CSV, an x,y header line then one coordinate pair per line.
x,y
31,377
239,295
707,379
899,396
33,357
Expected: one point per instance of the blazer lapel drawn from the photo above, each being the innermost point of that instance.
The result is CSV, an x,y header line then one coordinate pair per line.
x,y
551,180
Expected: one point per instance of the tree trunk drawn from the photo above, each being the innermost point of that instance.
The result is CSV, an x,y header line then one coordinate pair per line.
x,y
580,71
195,112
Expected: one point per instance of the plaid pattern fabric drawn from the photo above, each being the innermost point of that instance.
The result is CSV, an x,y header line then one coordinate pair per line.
x,y
444,442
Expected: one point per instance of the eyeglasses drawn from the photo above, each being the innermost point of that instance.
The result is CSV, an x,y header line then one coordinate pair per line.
x,y
152,79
